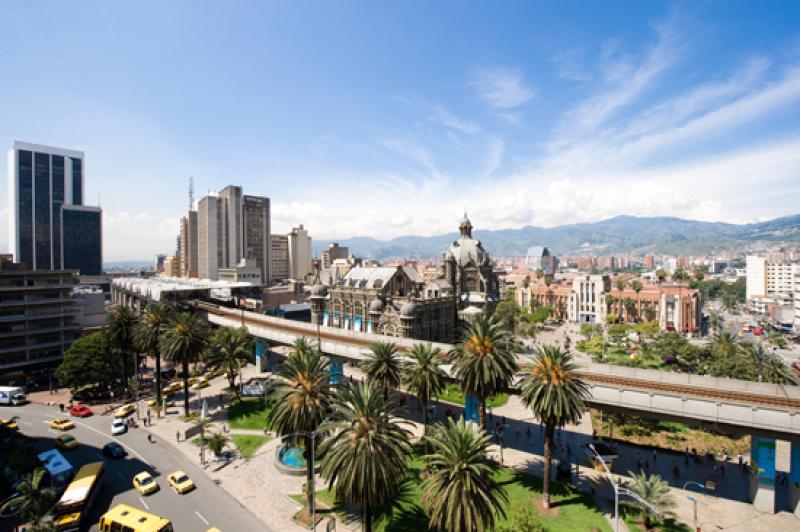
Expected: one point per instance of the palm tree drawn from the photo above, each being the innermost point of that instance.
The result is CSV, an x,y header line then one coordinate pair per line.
x,y
775,370
217,442
556,395
610,300
655,491
303,345
715,321
484,361
629,304
661,275
367,453
34,497
423,376
184,341
461,494
637,286
725,344
147,335
382,367
301,397
120,336
230,349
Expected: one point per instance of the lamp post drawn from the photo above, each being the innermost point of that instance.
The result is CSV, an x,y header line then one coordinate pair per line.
x,y
313,435
619,490
693,499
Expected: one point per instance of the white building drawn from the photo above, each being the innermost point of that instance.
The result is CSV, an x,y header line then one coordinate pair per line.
x,y
299,253
769,279
279,257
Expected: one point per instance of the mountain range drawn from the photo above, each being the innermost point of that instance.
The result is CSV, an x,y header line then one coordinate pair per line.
x,y
618,235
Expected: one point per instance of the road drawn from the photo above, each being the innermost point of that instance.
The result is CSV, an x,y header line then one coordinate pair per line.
x,y
207,506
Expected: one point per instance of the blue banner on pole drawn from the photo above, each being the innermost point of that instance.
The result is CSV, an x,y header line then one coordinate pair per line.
x,y
337,371
471,409
261,354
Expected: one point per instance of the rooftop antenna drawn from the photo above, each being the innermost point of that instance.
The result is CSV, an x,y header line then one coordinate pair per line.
x,y
191,192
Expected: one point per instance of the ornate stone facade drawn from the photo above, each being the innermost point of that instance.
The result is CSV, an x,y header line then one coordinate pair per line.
x,y
396,301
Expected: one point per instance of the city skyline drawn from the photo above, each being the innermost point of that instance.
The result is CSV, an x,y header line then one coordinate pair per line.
x,y
365,121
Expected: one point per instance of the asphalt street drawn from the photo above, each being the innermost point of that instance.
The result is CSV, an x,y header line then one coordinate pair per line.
x,y
205,507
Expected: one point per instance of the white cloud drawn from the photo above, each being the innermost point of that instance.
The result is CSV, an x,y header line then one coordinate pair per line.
x,y
446,118
502,88
569,65
137,235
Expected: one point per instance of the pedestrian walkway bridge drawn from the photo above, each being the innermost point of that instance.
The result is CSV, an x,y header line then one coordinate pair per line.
x,y
749,407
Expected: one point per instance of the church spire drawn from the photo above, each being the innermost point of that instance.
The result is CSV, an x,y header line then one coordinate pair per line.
x,y
465,227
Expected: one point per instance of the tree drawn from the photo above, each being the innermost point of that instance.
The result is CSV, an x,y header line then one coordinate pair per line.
x,y
484,361
230,349
423,376
120,338
620,283
647,329
382,367
367,452
508,313
590,330
778,340
303,345
89,361
539,273
655,491
184,342
725,344
629,305
461,494
637,286
556,395
34,497
618,331
147,334
216,442
775,370
524,518
610,300
302,398
526,282
715,322
661,275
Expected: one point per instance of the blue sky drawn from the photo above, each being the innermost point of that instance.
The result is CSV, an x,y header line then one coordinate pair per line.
x,y
390,118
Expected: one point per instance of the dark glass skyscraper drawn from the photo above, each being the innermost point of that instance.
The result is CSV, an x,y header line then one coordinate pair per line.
x,y
43,181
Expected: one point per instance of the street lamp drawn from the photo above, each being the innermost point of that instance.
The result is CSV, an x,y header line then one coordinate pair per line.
x,y
619,490
313,435
693,499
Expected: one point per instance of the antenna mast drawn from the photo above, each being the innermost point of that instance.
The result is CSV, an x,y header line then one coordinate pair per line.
x,y
191,192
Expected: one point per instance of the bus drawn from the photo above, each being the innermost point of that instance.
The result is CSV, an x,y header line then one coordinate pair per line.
x,y
58,467
73,507
124,518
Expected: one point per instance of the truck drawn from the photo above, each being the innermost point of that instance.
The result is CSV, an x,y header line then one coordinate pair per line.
x,y
12,396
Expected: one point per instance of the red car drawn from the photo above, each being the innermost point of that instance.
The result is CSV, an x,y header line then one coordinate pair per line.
x,y
80,411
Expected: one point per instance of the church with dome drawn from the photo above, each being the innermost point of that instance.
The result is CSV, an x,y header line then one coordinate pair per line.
x,y
396,301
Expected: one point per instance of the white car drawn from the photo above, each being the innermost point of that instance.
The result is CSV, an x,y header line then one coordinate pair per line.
x,y
118,426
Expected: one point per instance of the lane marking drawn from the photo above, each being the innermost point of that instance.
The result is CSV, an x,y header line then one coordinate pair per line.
x,y
134,451
203,519
145,505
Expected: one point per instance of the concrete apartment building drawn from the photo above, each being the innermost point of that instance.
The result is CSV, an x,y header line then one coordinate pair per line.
x,y
299,253
49,226
332,252
769,279
37,316
231,226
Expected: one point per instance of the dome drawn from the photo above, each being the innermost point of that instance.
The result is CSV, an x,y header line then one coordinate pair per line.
x,y
469,250
319,290
408,309
376,305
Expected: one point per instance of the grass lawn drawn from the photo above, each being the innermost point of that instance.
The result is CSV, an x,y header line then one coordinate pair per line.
x,y
248,413
573,510
248,444
633,520
453,394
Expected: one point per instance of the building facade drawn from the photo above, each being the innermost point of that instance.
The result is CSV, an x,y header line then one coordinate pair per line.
x,y
771,279
299,253
332,252
45,190
37,317
188,245
540,258
279,257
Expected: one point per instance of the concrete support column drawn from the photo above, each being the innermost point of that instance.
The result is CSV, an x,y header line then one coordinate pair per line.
x,y
794,479
762,474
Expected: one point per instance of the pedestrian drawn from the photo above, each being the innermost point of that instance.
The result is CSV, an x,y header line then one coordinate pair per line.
x,y
177,435
675,468
655,455
61,407
149,437
528,431
741,461
516,432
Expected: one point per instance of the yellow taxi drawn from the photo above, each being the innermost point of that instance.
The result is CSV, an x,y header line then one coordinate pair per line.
x,y
172,388
61,423
66,441
211,373
144,483
192,380
180,482
125,410
202,382
10,424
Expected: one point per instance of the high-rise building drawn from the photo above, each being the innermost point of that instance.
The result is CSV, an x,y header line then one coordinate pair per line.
x,y
299,253
540,258
256,230
279,257
766,278
332,252
650,262
188,245
231,226
43,180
